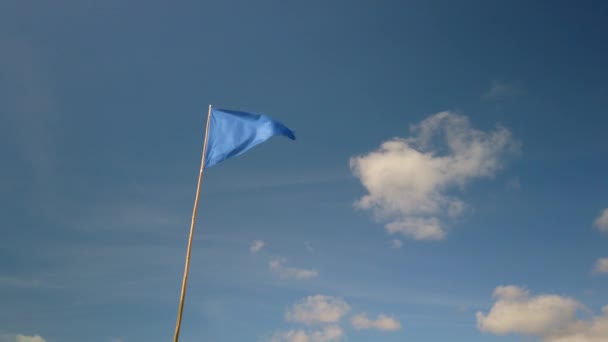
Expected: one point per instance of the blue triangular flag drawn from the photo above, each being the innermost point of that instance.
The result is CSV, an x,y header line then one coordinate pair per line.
x,y
232,133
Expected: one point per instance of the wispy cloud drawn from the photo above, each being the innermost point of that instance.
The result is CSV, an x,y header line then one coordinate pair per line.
x,y
601,222
19,282
382,322
552,318
309,247
601,266
391,294
396,243
29,103
408,179
514,184
278,266
256,246
499,90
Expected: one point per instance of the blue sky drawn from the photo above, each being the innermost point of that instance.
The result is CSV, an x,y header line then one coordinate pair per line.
x,y
448,182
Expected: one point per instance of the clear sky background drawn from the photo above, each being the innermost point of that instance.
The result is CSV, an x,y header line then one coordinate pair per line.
x,y
447,184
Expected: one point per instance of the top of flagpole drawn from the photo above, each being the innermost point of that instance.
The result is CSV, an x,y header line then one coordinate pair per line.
x,y
206,137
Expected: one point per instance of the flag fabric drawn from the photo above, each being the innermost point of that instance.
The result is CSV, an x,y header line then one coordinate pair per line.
x,y
232,133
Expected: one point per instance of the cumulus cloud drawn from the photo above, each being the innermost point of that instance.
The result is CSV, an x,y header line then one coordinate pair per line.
x,y
594,330
318,309
409,180
515,311
256,246
601,222
601,265
278,266
552,318
327,334
382,322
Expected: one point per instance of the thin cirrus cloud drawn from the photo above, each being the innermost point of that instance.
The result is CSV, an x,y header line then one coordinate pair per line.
x,y
278,267
19,282
382,322
601,222
500,90
256,246
551,318
408,180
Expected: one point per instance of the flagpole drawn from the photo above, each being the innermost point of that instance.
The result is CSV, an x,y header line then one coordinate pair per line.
x,y
186,268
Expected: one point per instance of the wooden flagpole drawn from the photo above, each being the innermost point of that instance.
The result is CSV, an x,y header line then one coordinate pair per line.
x,y
186,268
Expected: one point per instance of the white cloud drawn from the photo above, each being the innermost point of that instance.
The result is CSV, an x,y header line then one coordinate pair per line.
x,y
396,243
382,322
594,330
256,246
327,334
24,338
278,266
408,179
550,317
515,311
602,221
601,265
318,309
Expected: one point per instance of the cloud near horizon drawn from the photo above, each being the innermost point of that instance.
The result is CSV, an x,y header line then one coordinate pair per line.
x,y
408,179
